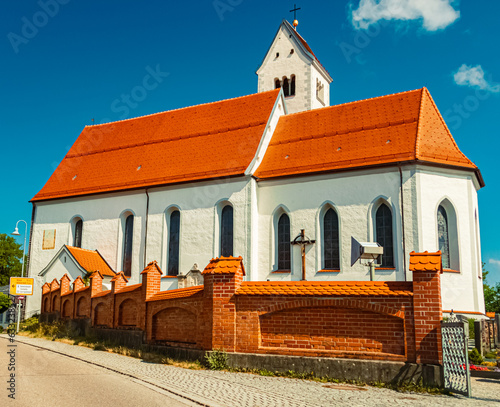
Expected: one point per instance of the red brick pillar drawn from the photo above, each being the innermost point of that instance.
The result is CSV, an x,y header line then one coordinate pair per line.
x,y
151,285
117,283
95,283
78,284
45,294
427,310
54,286
65,280
222,278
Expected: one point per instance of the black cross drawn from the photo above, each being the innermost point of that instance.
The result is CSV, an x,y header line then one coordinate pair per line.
x,y
295,11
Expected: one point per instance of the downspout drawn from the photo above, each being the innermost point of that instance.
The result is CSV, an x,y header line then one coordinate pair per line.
x,y
28,265
146,229
403,221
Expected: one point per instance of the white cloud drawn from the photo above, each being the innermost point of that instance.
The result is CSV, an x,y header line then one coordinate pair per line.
x,y
473,76
494,261
436,14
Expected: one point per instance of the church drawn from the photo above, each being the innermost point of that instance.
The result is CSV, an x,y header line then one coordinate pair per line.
x,y
246,176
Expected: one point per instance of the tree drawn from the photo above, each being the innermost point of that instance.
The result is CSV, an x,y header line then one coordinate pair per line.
x,y
491,294
10,259
5,302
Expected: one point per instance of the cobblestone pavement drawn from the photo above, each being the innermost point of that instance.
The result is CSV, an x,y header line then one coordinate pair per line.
x,y
218,389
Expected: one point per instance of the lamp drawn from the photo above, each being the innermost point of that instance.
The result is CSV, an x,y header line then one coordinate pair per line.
x,y
16,233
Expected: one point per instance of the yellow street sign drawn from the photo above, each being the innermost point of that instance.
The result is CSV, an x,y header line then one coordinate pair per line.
x,y
21,286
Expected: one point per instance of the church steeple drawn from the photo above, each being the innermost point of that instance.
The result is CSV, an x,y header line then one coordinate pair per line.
x,y
291,64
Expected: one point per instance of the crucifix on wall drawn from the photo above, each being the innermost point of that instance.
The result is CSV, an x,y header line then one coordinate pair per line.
x,y
302,240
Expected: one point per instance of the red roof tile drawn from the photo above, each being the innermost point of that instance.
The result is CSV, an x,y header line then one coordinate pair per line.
x,y
153,266
195,143
225,265
129,288
389,129
177,293
490,314
425,261
82,289
91,260
102,294
326,288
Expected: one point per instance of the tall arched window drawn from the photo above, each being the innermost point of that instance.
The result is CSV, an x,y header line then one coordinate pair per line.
x,y
286,88
292,86
173,243
383,230
226,231
127,245
331,251
77,238
443,237
277,83
284,247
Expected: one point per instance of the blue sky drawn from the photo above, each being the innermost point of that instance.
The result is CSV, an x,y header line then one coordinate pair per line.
x,y
65,62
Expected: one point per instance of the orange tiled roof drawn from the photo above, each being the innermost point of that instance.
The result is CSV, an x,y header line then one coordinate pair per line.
x,y
389,129
153,266
120,275
82,289
102,293
177,293
426,261
225,265
91,260
129,288
490,314
217,139
327,288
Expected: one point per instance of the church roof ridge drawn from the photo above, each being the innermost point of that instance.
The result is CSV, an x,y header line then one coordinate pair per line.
x,y
177,109
356,101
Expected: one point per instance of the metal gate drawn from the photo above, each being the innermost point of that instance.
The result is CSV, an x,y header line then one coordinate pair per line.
x,y
455,336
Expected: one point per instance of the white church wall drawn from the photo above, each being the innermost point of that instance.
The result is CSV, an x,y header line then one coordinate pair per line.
x,y
461,290
319,77
200,205
353,195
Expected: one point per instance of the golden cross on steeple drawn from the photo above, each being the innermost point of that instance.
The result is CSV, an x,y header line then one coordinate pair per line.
x,y
295,21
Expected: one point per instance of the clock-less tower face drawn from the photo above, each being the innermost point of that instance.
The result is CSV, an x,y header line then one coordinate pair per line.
x,y
291,65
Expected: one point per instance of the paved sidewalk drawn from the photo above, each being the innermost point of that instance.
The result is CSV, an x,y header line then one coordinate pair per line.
x,y
218,389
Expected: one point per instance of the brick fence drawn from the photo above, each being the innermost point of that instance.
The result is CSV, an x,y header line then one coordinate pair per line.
x,y
395,321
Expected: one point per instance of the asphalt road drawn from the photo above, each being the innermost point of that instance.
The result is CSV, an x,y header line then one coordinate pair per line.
x,y
44,378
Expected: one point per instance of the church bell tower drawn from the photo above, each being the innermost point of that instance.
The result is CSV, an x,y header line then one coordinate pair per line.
x,y
290,64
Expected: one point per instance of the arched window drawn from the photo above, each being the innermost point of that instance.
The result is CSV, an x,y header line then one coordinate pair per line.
x,y
292,86
127,245
277,83
173,243
443,237
286,88
383,230
331,251
77,238
226,232
284,247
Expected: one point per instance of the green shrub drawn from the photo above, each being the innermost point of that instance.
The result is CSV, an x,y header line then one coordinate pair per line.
x,y
475,358
216,359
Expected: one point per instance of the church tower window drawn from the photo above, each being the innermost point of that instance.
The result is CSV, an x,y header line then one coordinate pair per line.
x,y
127,245
173,243
77,238
277,83
443,236
284,247
292,85
286,87
383,228
331,251
226,235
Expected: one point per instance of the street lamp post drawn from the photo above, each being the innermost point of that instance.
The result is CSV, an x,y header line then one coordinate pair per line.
x,y
16,233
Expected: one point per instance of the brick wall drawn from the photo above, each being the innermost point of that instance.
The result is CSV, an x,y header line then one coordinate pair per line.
x,y
365,320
